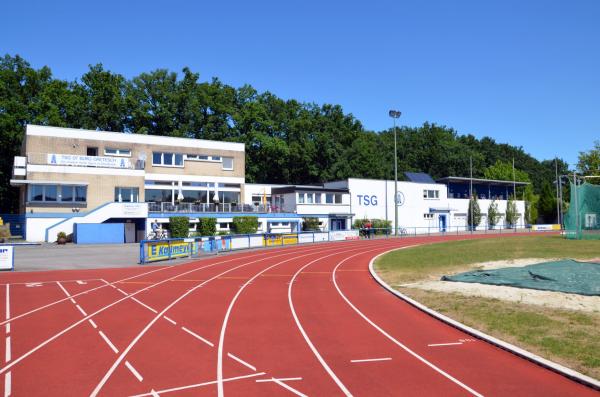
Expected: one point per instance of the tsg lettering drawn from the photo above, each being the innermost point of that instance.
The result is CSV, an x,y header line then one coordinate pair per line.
x,y
365,199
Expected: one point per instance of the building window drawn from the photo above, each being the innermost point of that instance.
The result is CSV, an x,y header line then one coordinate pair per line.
x,y
317,198
57,193
300,198
338,198
228,163
117,152
428,216
92,151
431,194
167,159
328,198
127,194
309,198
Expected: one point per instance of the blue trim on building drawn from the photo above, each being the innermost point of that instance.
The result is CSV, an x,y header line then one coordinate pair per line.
x,y
77,215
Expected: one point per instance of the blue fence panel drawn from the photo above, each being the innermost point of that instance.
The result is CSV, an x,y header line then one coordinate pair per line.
x,y
99,233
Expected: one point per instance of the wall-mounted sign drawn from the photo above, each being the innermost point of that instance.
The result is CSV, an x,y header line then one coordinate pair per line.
x,y
7,257
400,198
76,160
367,199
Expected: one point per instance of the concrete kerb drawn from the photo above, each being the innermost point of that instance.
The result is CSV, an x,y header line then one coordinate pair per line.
x,y
560,369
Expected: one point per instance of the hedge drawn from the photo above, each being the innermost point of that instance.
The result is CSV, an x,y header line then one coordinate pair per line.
x,y
245,224
179,226
207,226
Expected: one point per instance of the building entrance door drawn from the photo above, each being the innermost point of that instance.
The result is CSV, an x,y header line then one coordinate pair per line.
x,y
130,232
442,223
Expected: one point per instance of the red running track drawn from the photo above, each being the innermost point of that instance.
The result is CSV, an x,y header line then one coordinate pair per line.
x,y
304,320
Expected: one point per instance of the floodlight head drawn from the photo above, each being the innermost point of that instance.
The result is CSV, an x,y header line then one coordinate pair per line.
x,y
395,113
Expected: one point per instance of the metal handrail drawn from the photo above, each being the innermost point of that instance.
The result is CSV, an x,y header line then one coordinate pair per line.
x,y
166,207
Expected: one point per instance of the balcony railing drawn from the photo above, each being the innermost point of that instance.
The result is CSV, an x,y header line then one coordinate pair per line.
x,y
226,207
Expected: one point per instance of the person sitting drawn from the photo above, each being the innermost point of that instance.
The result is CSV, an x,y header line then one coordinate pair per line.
x,y
157,229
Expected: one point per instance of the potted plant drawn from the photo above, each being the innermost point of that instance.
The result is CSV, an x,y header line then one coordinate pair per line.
x,y
61,238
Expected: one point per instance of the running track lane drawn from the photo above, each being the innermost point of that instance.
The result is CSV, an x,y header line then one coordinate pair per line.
x,y
318,335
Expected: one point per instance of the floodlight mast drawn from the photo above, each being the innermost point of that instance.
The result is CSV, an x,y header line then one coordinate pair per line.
x,y
395,114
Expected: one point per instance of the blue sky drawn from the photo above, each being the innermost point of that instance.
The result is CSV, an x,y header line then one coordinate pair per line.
x,y
523,72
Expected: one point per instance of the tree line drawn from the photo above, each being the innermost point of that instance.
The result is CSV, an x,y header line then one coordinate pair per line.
x,y
287,141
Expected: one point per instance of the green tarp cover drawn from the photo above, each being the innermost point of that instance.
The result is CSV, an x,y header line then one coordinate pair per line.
x,y
565,276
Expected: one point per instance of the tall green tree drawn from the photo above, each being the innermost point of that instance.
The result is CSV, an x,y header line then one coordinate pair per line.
x,y
474,213
493,214
547,204
589,163
511,214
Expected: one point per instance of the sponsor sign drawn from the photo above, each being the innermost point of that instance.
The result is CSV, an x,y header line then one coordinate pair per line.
x,y
134,210
7,257
159,250
76,160
545,227
280,239
340,235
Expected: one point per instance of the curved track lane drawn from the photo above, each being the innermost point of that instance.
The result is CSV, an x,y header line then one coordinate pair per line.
x,y
303,320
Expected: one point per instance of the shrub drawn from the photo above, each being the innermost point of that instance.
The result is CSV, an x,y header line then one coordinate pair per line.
x,y
382,226
179,226
60,235
493,214
474,213
207,226
512,214
310,224
245,224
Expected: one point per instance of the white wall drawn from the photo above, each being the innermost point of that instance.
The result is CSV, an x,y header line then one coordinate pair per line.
x,y
36,228
371,198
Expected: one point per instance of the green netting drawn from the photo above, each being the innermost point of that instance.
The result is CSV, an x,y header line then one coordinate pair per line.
x,y
582,221
570,276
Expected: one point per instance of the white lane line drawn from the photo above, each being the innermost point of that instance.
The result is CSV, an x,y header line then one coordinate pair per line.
x,y
332,375
121,291
111,370
195,335
145,305
108,342
170,320
290,388
8,351
445,344
76,295
7,384
93,323
50,281
8,375
281,379
81,310
81,282
75,324
134,371
65,291
398,343
367,360
212,382
220,388
73,301
239,360
153,393
7,307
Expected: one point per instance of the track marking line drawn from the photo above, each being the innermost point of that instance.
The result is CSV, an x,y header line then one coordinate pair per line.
x,y
212,382
153,393
50,281
81,310
108,342
195,335
281,379
220,388
398,343
289,388
73,301
7,384
186,280
445,344
239,360
93,323
80,282
312,347
170,320
143,304
134,371
8,352
7,325
80,293
366,360
135,282
123,292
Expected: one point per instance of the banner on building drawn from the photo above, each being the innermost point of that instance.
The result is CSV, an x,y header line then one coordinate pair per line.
x,y
76,160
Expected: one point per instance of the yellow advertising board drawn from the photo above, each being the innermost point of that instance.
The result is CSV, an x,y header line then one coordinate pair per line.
x,y
280,239
159,250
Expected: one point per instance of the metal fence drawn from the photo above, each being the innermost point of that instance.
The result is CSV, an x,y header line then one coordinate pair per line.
x,y
158,250
203,207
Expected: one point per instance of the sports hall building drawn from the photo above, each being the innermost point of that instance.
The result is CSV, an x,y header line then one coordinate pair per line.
x,y
69,177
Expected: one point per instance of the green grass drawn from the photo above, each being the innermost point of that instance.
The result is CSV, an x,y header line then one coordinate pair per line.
x,y
418,263
567,337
